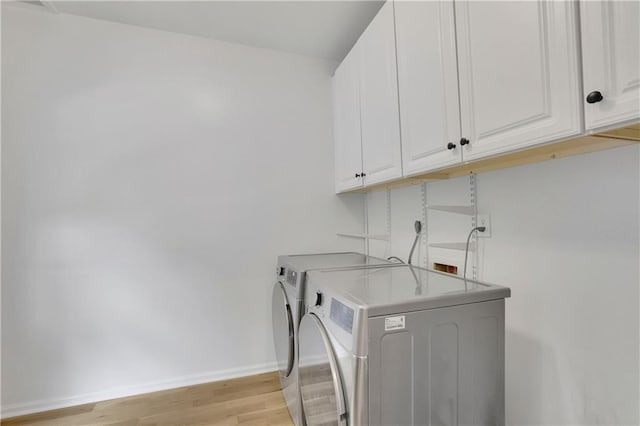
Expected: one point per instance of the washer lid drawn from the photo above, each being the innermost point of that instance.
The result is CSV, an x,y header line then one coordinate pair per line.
x,y
403,288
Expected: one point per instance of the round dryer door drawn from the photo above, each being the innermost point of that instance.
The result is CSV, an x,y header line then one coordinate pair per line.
x,y
282,329
321,390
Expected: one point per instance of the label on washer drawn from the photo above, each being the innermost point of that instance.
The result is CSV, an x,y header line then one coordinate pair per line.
x,y
394,323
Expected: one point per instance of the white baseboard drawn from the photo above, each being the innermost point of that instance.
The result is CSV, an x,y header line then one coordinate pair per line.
x,y
30,407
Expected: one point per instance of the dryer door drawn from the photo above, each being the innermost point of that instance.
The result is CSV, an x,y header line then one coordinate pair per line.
x,y
323,401
282,329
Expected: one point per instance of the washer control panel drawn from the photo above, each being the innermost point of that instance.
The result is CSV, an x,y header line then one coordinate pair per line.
x,y
342,315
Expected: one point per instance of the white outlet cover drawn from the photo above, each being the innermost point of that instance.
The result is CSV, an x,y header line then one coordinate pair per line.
x,y
484,220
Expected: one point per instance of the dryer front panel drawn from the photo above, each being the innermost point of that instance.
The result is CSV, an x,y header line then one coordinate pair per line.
x,y
321,388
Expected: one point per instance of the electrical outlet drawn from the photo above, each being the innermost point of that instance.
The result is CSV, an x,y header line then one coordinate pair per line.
x,y
485,220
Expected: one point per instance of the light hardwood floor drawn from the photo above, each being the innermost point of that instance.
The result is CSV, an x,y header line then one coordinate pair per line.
x,y
254,400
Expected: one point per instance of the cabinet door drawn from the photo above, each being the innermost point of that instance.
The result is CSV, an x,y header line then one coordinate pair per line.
x,y
427,85
381,157
346,109
519,79
611,62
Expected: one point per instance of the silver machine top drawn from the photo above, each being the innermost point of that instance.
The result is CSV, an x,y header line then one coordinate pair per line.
x,y
292,269
401,288
307,262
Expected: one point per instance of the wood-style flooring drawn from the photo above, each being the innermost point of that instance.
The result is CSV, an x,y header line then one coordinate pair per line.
x,y
254,400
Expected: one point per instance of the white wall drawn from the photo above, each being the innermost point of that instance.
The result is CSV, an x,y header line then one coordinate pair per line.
x,y
149,180
565,238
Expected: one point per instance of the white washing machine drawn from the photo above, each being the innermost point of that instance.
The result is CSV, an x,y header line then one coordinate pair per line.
x,y
288,309
401,346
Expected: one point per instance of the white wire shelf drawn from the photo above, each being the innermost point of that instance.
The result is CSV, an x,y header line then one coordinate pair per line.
x,y
465,210
381,237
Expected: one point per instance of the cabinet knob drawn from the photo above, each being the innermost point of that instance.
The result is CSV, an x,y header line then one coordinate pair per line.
x,y
357,175
464,141
318,301
451,145
594,97
363,174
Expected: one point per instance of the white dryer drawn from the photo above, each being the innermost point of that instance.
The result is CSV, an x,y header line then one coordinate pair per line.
x,y
288,309
401,346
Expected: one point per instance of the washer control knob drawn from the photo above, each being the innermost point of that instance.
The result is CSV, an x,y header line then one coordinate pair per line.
x,y
318,298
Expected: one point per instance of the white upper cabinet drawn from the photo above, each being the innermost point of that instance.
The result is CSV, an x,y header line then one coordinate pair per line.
x,y
428,85
380,123
346,119
611,62
519,75
432,84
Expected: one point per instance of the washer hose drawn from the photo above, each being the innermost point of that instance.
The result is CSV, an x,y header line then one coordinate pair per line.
x,y
418,226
